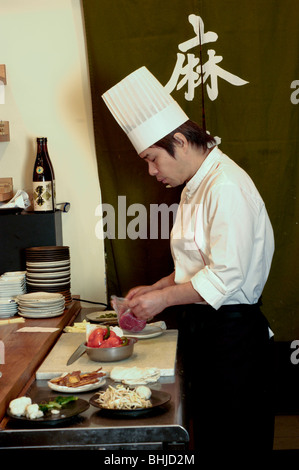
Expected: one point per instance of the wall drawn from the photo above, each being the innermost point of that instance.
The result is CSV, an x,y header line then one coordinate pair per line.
x,y
47,94
250,87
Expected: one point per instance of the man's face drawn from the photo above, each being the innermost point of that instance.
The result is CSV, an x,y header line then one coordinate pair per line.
x,y
169,170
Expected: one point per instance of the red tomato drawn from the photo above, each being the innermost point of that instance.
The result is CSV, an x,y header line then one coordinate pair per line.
x,y
96,337
111,342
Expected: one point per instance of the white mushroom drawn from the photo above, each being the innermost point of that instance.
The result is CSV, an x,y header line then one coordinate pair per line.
x,y
33,411
144,392
18,406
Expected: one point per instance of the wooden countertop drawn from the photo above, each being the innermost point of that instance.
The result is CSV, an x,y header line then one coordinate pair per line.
x,y
24,352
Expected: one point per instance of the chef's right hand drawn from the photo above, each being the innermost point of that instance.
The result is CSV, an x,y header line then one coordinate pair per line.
x,y
139,290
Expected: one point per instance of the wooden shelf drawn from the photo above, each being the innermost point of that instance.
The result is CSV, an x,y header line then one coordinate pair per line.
x,y
3,74
4,131
4,125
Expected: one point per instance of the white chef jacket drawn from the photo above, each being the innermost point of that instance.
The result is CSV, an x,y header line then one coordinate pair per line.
x,y
222,239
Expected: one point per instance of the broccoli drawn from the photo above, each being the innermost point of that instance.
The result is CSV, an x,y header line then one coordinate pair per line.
x,y
56,403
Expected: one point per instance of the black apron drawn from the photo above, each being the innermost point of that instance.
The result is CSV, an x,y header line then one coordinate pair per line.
x,y
228,369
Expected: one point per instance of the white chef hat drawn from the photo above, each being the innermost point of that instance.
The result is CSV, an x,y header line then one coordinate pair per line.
x,y
143,108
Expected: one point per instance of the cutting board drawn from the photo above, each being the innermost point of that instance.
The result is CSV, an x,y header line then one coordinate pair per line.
x,y
159,352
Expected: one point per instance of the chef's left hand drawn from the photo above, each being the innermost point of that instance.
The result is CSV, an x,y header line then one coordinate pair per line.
x,y
146,306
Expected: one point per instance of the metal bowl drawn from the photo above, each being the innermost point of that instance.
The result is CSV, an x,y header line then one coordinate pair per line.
x,y
111,354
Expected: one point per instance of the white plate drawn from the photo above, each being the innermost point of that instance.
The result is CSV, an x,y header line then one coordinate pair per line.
x,y
48,275
14,274
36,284
7,315
8,308
40,297
38,311
84,388
44,281
49,263
32,305
46,269
36,315
148,332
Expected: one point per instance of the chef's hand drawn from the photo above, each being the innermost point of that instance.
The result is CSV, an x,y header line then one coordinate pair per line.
x,y
160,284
138,291
147,305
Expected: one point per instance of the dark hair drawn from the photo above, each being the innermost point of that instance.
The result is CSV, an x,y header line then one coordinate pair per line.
x,y
193,133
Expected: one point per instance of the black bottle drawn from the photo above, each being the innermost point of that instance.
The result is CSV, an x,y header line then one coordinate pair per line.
x,y
43,184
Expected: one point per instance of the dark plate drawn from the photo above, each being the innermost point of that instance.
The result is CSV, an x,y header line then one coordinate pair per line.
x,y
71,409
158,399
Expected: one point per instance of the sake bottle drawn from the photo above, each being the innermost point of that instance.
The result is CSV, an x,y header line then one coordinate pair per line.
x,y
43,184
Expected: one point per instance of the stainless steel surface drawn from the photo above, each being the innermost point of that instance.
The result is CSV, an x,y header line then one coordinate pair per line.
x,y
165,428
111,354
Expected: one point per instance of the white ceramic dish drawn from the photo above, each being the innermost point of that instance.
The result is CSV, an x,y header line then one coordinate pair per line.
x,y
40,297
40,315
148,332
84,388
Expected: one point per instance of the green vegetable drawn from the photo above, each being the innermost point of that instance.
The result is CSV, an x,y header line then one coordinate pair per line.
x,y
108,332
56,403
107,315
124,340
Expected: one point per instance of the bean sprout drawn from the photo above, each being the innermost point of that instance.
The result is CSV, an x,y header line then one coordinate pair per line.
x,y
121,398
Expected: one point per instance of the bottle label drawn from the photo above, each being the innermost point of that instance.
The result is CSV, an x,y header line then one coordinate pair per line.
x,y
43,196
39,170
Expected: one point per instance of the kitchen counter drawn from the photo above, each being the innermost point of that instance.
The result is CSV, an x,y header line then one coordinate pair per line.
x,y
147,353
25,351
163,427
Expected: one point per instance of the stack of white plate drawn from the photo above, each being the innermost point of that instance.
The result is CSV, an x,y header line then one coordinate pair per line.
x,y
12,283
40,305
48,270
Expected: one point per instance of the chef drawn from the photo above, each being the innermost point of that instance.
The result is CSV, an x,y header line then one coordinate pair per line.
x,y
222,246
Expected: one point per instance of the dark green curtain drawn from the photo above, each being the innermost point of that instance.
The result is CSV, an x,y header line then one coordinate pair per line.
x,y
256,41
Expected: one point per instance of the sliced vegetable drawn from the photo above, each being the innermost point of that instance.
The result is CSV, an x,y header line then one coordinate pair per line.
x,y
56,403
106,336
124,341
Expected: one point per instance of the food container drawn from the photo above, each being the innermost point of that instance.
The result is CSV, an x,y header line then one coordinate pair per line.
x,y
111,354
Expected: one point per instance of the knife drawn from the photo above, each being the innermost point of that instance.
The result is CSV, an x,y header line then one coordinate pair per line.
x,y
79,351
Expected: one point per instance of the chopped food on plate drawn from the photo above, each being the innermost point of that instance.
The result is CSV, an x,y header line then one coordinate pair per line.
x,y
124,398
135,375
23,406
78,379
78,327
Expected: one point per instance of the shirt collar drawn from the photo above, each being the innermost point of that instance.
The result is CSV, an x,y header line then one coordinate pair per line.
x,y
195,181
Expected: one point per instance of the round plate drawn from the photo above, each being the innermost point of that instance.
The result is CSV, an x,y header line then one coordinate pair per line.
x,y
40,297
48,264
36,315
158,398
148,332
103,316
71,409
84,388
